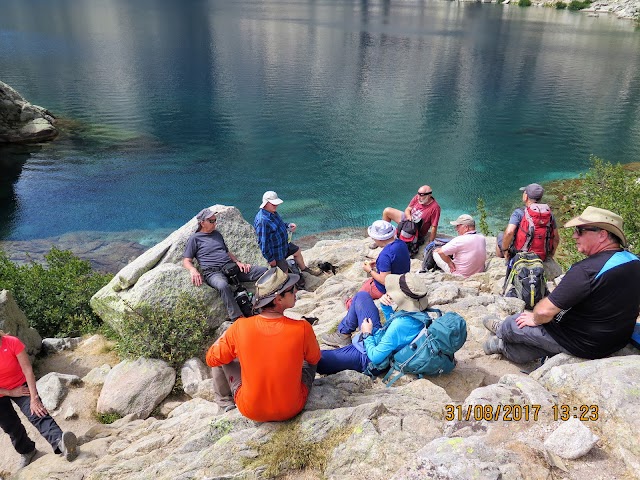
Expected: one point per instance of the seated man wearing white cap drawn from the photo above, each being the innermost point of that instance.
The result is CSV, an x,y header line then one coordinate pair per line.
x,y
273,235
467,253
207,246
268,361
394,258
593,310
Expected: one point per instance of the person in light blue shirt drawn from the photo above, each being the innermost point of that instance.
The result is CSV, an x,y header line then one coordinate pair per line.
x,y
371,349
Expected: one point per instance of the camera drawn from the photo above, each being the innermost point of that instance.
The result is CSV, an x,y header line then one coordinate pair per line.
x,y
241,295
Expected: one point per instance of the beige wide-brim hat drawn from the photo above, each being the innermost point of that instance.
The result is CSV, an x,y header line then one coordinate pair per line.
x,y
271,283
601,218
409,291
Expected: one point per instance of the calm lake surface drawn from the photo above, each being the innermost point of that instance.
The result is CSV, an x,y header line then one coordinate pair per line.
x,y
341,107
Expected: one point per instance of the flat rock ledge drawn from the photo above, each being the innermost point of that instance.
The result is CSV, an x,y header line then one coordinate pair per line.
x,y
22,122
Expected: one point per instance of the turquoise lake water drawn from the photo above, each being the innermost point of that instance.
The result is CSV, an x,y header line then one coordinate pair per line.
x,y
342,107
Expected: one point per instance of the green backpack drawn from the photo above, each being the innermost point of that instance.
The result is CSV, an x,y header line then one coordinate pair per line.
x,y
432,351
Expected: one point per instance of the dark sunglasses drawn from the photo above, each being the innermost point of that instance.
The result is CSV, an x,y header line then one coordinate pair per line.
x,y
581,230
291,289
425,194
212,221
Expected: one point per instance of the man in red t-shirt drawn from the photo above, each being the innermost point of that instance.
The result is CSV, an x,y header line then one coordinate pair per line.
x,y
18,384
421,207
268,361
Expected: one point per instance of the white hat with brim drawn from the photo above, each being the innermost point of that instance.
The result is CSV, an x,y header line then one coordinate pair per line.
x,y
270,197
381,230
601,218
271,283
409,291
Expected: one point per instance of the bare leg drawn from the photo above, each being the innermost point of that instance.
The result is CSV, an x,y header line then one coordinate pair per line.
x,y
392,214
299,260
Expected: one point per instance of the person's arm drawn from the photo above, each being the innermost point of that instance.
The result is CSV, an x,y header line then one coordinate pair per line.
x,y
312,353
434,232
37,408
389,342
377,276
263,241
223,350
196,278
543,312
509,233
556,241
244,267
21,391
446,258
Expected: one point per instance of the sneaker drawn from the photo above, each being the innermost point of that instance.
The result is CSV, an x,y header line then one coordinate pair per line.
x,y
493,345
336,339
316,272
491,323
68,446
25,458
228,408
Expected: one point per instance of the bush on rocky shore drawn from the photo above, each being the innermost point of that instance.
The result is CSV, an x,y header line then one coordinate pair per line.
x,y
54,296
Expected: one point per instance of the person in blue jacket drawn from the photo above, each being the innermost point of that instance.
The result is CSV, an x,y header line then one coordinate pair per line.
x,y
370,349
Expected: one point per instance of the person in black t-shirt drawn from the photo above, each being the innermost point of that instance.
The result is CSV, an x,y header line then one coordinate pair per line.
x,y
592,312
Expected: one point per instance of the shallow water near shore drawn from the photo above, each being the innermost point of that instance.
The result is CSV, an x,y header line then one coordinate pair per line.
x,y
342,107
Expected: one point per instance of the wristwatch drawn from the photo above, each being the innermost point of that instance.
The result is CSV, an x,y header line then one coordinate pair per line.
x,y
365,335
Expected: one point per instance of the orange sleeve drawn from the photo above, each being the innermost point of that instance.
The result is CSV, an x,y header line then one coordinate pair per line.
x,y
223,350
311,348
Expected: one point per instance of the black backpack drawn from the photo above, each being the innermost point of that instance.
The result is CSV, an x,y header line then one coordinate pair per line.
x,y
525,279
428,263
408,232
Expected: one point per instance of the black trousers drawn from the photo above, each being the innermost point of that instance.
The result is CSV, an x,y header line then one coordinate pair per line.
x,y
12,426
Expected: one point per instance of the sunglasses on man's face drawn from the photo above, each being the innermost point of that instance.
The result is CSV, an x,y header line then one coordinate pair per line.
x,y
580,230
289,290
212,220
424,194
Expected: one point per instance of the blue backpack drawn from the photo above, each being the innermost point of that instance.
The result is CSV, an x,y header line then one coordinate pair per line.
x,y
635,336
432,351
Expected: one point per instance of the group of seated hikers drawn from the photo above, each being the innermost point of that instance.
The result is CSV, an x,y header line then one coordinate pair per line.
x,y
266,363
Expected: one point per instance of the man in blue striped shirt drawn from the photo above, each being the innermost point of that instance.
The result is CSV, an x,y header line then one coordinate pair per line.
x,y
273,235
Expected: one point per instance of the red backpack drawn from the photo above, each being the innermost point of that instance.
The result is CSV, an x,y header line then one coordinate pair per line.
x,y
535,232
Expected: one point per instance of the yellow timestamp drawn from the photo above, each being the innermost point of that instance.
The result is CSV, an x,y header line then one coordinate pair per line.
x,y
518,413
584,413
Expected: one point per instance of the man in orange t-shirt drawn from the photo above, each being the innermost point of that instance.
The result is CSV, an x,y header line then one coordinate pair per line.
x,y
268,361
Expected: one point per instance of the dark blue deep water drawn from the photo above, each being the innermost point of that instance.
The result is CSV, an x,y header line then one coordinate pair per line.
x,y
342,107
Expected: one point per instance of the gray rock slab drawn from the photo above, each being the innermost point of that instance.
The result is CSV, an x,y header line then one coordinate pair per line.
x,y
571,440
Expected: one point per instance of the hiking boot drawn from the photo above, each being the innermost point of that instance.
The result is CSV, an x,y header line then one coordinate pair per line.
x,y
68,446
25,458
491,323
493,345
228,408
311,320
336,339
316,272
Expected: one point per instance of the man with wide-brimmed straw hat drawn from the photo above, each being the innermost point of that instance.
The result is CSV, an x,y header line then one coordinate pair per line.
x,y
407,294
268,361
593,310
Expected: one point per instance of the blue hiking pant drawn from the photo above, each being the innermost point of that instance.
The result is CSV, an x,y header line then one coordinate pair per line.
x,y
349,357
361,307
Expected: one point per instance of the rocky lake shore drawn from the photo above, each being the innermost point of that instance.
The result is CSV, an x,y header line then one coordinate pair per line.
x,y
353,427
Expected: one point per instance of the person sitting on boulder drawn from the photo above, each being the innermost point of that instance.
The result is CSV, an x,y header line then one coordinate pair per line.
x,y
18,385
394,258
422,208
266,363
593,310
273,236
207,246
375,345
465,254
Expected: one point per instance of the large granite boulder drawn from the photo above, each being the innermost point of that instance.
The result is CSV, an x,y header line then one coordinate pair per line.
x,y
21,122
157,277
15,323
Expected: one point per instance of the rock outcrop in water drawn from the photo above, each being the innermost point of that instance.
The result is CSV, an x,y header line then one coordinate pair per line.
x,y
22,122
354,427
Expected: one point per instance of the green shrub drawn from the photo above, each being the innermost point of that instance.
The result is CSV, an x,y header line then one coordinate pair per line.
x,y
524,3
483,226
107,418
561,5
604,185
173,336
54,296
578,5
